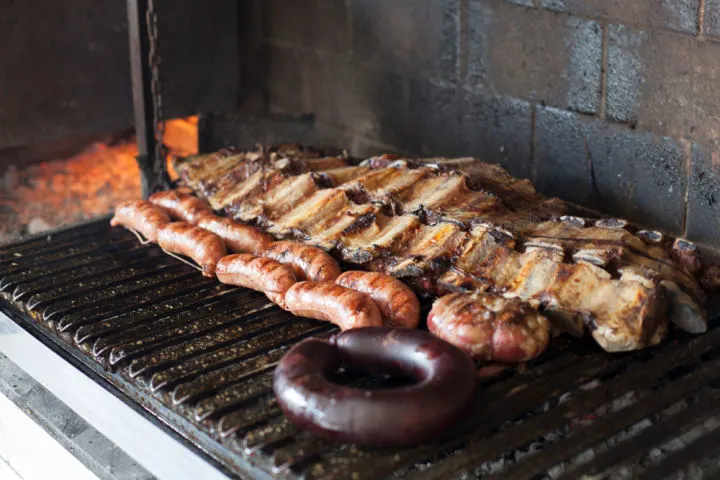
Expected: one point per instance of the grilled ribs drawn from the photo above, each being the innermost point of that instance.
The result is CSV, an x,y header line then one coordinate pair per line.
x,y
460,225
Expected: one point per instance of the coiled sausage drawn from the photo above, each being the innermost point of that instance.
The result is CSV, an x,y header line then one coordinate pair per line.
x,y
326,301
441,392
398,304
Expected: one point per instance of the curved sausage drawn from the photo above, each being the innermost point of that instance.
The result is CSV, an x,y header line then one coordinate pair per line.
x,y
257,273
142,216
440,395
238,237
490,327
398,304
204,247
308,263
182,206
326,301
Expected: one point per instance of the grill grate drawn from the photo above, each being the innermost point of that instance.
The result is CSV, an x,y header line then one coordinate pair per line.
x,y
200,356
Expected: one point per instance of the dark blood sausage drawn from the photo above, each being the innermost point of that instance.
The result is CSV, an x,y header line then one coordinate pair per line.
x,y
398,304
326,301
182,206
238,237
257,273
308,263
142,216
204,247
442,392
490,327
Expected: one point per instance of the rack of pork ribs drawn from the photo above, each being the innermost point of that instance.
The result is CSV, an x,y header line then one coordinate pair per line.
x,y
445,226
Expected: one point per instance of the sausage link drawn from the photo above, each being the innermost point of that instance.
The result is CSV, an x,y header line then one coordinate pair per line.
x,y
398,304
238,237
257,273
204,247
308,263
327,301
142,216
182,206
490,327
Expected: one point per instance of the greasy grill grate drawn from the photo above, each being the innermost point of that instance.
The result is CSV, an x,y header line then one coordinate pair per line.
x,y
200,356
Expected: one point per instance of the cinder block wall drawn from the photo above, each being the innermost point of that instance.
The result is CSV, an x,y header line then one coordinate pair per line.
x,y
612,104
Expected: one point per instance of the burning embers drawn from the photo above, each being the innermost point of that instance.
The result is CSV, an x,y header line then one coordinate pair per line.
x,y
65,191
88,184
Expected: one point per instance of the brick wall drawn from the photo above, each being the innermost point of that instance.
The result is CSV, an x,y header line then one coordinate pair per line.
x,y
608,103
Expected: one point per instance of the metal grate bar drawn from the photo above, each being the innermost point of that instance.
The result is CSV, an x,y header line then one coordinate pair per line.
x,y
222,357
132,302
659,433
196,345
268,434
201,356
702,447
649,403
60,252
53,239
76,274
113,290
247,418
170,331
202,386
74,267
637,377
150,325
307,449
204,294
72,290
497,410
252,387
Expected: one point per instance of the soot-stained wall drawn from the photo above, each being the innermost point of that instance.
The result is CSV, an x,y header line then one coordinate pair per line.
x,y
611,104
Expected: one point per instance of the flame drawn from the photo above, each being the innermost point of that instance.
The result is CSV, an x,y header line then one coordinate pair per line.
x,y
91,183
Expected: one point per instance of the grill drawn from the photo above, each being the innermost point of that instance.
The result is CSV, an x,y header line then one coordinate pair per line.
x,y
199,356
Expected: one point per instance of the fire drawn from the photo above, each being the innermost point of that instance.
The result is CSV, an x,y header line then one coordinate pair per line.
x,y
91,183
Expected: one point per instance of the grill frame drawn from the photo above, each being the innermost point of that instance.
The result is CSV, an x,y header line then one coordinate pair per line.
x,y
148,407
568,365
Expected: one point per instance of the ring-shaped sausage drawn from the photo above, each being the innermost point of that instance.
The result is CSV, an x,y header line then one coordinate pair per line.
x,y
444,388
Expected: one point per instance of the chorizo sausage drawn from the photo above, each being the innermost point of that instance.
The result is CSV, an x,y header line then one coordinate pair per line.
x,y
204,247
490,327
326,301
398,304
238,237
182,206
142,216
257,273
308,263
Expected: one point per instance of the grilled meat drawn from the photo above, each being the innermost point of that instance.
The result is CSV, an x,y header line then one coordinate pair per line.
x,y
307,262
181,206
490,327
327,301
426,225
398,304
238,237
204,247
257,273
141,216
